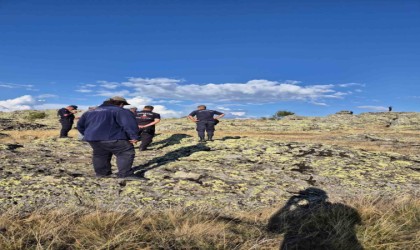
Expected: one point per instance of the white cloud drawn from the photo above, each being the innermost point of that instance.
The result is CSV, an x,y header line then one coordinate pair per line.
x,y
108,93
258,91
168,101
81,90
28,102
56,106
43,96
168,93
239,113
86,88
352,84
374,108
49,106
15,86
140,102
223,108
414,97
320,103
108,85
20,103
167,113
294,82
133,81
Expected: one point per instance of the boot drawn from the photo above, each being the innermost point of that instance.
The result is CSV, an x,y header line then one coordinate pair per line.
x,y
202,139
210,138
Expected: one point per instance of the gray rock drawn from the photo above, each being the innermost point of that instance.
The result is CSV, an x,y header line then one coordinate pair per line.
x,y
187,176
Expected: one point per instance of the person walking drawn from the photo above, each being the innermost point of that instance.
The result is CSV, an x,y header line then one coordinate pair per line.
x,y
66,119
205,121
111,130
146,120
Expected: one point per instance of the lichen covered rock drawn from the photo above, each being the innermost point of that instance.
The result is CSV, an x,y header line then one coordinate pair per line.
x,y
233,172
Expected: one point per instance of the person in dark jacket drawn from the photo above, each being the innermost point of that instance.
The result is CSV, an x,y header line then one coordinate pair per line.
x,y
66,119
205,121
111,130
146,120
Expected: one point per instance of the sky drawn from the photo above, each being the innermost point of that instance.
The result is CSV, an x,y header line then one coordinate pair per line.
x,y
245,58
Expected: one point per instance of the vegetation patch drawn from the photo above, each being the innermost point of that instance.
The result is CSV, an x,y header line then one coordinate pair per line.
x,y
384,224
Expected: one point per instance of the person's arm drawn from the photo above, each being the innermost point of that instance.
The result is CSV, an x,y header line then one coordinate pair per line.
x,y
81,124
192,119
156,121
191,116
220,115
126,120
62,113
279,221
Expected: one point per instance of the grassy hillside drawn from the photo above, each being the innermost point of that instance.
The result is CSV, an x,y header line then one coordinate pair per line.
x,y
218,195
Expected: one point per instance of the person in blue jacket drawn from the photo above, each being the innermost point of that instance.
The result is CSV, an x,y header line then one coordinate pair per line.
x,y
111,130
205,121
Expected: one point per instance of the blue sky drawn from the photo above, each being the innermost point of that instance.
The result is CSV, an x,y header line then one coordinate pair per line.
x,y
247,58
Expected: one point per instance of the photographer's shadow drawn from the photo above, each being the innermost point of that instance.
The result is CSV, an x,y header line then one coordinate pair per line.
x,y
309,221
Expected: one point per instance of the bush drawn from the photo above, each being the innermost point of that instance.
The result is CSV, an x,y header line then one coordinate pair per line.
x,y
35,115
282,113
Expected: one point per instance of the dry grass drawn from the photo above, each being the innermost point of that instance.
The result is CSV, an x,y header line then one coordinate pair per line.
x,y
390,224
23,136
406,138
85,229
387,224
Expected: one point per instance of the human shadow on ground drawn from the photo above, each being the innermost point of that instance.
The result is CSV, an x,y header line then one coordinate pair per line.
x,y
172,140
229,138
309,221
169,157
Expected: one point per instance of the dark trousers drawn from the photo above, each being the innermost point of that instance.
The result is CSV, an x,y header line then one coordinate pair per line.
x,y
102,154
65,127
205,126
146,136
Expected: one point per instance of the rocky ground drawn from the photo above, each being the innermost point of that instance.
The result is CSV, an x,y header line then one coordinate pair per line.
x,y
251,164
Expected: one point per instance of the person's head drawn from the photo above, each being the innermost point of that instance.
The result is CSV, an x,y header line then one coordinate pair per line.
x,y
71,107
148,108
201,107
117,101
133,109
314,195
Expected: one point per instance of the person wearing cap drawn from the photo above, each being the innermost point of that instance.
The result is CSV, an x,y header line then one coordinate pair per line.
x,y
66,119
205,121
111,130
133,110
146,120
